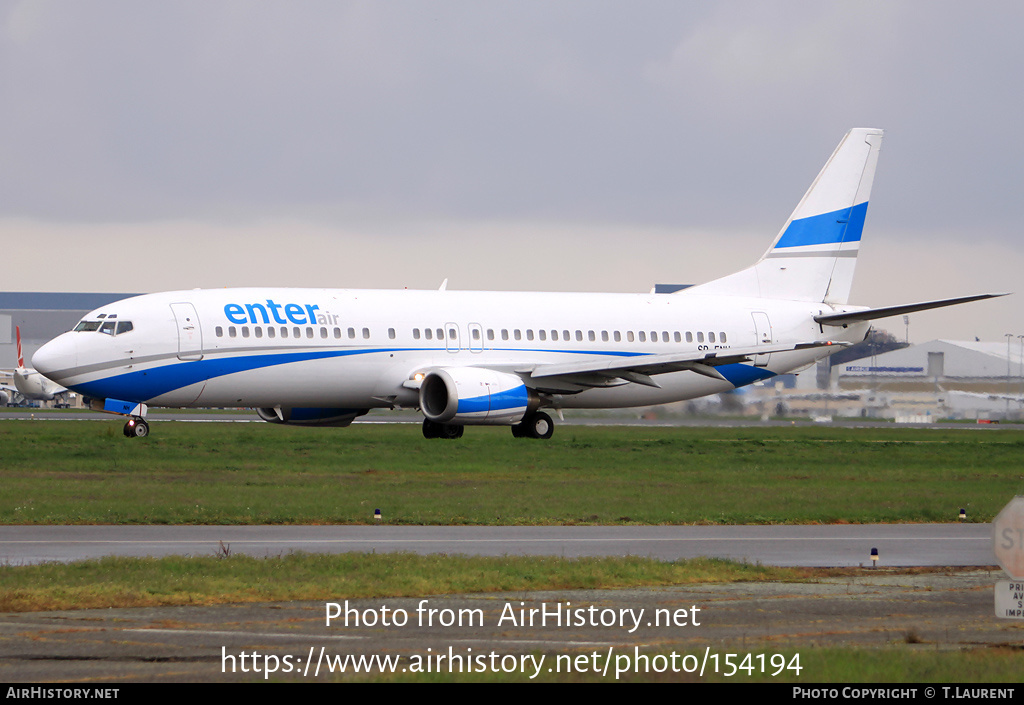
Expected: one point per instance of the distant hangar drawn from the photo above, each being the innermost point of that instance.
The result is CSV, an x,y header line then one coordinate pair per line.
x,y
42,316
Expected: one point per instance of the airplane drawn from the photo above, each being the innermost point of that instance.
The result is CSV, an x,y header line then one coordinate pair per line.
x,y
29,383
327,356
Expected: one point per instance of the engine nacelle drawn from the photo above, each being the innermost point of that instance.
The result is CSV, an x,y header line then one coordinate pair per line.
x,y
474,395
302,416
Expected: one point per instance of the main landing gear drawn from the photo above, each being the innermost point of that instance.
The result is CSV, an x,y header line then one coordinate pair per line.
x,y
535,425
136,427
433,429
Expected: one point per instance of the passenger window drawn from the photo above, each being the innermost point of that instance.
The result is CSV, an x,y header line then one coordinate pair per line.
x,y
689,337
700,337
721,337
415,333
259,331
529,333
271,331
391,333
542,334
711,337
428,334
351,332
323,332
554,335
284,332
678,337
366,333
579,335
604,336
618,337
504,333
231,331
565,335
219,332
245,331
643,337
296,332
629,336
517,334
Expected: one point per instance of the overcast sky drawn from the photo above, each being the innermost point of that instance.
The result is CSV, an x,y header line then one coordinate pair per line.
x,y
595,146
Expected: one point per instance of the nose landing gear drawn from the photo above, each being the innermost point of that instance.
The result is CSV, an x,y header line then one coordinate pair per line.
x,y
136,427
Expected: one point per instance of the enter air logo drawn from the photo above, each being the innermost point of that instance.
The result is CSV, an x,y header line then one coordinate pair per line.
x,y
273,312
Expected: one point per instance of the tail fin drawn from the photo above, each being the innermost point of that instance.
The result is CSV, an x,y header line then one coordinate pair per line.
x,y
21,359
813,257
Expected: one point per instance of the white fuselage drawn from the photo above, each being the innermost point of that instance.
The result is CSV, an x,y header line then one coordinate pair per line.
x,y
360,349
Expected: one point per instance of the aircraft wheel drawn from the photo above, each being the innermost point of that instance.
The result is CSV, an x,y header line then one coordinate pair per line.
x,y
451,431
431,429
537,425
136,428
541,426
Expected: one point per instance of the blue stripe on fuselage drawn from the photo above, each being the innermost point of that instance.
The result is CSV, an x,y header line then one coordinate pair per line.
x,y
143,385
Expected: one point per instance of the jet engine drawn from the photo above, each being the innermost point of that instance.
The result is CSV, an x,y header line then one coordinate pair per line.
x,y
475,395
301,416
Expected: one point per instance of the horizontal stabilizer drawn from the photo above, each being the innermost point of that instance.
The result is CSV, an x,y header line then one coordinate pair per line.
x,y
870,314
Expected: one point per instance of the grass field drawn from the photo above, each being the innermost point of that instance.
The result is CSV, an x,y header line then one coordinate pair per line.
x,y
220,473
208,580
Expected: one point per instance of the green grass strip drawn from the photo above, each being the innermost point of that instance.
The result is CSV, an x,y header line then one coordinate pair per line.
x,y
86,472
138,582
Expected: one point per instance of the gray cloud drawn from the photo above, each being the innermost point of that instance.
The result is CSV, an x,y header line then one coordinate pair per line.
x,y
657,116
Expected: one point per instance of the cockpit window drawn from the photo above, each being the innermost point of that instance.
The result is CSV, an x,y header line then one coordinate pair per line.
x,y
110,327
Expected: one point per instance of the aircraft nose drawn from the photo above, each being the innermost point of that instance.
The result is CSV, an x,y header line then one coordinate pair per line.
x,y
57,358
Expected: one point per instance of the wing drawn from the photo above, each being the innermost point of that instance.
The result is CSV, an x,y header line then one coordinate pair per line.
x,y
575,376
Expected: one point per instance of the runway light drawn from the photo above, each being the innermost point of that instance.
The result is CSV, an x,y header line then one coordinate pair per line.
x,y
874,557
376,515
963,514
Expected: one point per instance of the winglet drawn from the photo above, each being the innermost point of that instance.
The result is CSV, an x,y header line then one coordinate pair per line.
x,y
21,359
